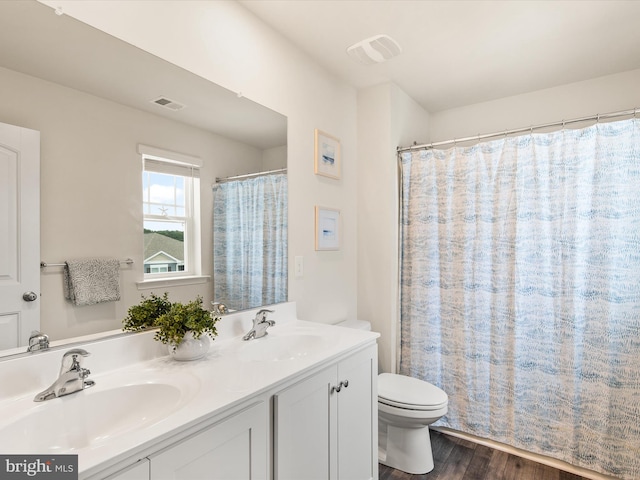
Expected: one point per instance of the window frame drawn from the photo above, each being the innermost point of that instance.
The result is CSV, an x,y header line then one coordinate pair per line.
x,y
165,162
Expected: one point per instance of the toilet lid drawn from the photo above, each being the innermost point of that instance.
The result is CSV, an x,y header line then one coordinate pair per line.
x,y
409,392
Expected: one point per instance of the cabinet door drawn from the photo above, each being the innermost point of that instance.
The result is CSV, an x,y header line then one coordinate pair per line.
x,y
235,448
303,430
358,416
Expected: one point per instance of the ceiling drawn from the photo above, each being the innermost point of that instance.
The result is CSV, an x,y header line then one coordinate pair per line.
x,y
459,53
60,49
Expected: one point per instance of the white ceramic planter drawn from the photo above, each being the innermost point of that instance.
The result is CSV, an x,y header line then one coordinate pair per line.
x,y
190,348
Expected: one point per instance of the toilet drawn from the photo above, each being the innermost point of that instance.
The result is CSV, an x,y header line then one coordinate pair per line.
x,y
406,408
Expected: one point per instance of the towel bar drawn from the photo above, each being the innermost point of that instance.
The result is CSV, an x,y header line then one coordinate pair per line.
x,y
128,261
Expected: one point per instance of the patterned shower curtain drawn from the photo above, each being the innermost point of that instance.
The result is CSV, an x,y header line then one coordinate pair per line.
x,y
250,241
520,290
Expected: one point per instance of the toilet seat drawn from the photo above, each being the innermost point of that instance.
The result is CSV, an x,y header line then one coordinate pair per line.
x,y
410,393
408,406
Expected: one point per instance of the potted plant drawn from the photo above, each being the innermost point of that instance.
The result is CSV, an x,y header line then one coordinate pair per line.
x,y
186,328
144,315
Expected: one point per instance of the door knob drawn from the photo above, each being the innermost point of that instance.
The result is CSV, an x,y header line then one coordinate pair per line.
x,y
29,296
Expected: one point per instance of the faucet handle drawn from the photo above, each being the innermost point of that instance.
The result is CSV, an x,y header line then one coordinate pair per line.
x,y
76,351
262,314
74,364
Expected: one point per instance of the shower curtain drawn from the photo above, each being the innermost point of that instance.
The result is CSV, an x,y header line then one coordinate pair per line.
x,y
250,241
520,290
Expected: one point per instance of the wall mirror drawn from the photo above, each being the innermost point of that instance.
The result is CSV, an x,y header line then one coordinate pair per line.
x,y
39,45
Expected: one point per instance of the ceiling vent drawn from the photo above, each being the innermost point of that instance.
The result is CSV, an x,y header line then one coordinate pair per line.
x,y
168,103
376,49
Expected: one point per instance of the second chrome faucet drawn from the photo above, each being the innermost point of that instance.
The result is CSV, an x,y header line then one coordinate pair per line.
x,y
260,325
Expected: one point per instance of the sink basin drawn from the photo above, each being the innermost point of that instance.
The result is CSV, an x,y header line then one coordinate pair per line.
x,y
89,418
280,348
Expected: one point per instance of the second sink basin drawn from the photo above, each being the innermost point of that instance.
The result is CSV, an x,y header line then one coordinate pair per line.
x,y
88,418
277,348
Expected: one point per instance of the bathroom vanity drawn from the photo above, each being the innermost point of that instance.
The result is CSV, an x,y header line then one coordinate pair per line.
x,y
298,403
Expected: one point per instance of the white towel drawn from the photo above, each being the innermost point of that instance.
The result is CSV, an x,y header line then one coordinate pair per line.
x,y
92,280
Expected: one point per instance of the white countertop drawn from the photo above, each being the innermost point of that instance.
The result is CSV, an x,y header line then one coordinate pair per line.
x,y
229,375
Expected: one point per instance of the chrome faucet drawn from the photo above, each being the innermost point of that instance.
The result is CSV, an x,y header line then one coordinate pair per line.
x,y
38,341
219,308
260,325
71,379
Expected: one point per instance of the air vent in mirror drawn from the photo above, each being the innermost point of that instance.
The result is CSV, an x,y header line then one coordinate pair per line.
x,y
168,103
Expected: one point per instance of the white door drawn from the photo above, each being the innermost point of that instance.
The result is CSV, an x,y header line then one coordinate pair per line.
x,y
19,235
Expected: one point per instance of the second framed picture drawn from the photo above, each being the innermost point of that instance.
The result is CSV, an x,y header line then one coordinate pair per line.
x,y
327,228
327,155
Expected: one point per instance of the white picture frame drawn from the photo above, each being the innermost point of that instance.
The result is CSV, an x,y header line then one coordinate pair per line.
x,y
328,228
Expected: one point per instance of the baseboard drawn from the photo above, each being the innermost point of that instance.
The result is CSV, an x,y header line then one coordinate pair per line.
x,y
552,462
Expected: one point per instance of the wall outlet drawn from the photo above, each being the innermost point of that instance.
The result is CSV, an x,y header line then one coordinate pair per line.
x,y
299,266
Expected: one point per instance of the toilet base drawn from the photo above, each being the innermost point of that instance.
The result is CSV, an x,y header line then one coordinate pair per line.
x,y
405,449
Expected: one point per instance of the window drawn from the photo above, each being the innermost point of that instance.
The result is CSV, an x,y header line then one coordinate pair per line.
x,y
171,193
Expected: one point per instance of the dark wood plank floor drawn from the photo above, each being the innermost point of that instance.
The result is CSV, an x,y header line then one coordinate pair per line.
x,y
457,459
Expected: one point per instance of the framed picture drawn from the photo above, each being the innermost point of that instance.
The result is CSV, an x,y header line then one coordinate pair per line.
x,y
327,155
327,228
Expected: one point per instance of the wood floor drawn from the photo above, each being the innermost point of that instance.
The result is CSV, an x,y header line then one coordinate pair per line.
x,y
457,459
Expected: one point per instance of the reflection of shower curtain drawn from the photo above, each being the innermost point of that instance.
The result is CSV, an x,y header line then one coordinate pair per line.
x,y
520,289
250,241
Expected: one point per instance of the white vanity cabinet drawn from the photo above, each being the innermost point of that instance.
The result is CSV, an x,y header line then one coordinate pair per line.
x,y
300,404
325,426
235,448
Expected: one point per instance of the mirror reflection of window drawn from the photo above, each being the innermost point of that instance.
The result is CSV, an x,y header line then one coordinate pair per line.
x,y
170,219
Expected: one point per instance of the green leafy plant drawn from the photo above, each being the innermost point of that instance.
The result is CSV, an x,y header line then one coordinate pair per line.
x,y
182,318
144,315
173,320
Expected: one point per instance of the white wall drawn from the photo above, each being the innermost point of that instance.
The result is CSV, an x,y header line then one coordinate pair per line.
x,y
274,158
91,189
600,95
225,43
387,118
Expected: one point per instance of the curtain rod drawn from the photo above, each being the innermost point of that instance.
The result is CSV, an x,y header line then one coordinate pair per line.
x,y
250,175
563,123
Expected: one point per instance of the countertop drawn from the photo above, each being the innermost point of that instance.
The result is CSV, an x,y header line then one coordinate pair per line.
x,y
232,373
